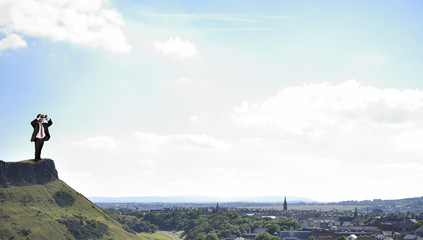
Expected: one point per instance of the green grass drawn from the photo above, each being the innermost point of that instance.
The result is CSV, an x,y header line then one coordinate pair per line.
x,y
31,212
179,233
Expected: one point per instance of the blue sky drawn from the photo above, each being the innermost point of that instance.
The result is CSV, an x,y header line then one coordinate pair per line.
x,y
218,98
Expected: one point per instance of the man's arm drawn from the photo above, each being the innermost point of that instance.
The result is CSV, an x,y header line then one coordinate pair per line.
x,y
34,122
49,122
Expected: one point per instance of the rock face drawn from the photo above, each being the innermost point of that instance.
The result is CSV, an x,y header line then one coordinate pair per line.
x,y
35,204
27,173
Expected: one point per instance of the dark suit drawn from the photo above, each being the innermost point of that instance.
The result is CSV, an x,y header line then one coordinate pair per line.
x,y
39,142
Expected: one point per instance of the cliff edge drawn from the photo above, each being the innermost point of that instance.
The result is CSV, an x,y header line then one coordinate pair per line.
x,y
36,204
28,172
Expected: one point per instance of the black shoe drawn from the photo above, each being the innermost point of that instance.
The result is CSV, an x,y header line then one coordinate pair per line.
x,y
37,159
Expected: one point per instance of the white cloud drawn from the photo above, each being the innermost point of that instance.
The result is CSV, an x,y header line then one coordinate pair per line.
x,y
410,141
12,41
182,81
178,82
100,142
344,106
345,131
319,140
80,22
197,117
179,141
219,17
176,47
148,162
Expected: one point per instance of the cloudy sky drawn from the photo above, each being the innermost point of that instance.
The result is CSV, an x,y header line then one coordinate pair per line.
x,y
318,99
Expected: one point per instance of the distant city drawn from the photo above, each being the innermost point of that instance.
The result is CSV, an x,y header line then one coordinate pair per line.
x,y
376,219
266,203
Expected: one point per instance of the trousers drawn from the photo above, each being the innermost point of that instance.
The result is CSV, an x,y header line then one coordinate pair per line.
x,y
39,143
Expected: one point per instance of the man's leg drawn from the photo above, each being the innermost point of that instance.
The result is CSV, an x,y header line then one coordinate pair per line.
x,y
38,146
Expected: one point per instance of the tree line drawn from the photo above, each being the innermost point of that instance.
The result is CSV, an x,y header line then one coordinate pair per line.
x,y
198,225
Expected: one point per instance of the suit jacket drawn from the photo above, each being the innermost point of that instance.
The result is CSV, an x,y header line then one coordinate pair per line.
x,y
36,127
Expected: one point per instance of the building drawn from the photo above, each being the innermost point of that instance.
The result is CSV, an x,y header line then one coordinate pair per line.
x,y
412,237
419,231
285,205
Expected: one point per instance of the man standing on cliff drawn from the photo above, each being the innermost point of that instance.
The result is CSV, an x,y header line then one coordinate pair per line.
x,y
41,133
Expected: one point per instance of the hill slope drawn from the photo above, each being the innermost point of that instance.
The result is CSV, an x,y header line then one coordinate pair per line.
x,y
35,204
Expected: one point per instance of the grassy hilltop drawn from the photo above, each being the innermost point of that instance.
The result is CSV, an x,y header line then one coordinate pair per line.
x,y
50,211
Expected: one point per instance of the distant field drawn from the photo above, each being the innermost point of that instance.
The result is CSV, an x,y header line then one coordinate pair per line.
x,y
322,207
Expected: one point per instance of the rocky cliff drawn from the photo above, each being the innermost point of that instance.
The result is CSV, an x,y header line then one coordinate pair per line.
x,y
27,173
35,204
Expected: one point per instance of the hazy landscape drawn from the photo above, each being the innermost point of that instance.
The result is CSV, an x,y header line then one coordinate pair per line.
x,y
266,203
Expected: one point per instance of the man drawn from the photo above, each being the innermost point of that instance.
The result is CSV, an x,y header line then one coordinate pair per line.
x,y
41,133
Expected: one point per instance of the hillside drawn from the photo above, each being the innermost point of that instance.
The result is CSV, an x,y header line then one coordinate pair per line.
x,y
36,204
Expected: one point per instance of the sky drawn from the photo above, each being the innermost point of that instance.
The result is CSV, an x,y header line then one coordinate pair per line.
x,y
235,98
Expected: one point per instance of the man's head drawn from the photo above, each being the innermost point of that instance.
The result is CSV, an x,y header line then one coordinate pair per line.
x,y
40,117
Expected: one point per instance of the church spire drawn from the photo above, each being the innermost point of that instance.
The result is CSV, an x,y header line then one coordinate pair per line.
x,y
285,205
217,209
